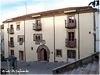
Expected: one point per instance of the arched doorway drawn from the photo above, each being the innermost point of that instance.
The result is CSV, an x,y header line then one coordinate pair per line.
x,y
43,53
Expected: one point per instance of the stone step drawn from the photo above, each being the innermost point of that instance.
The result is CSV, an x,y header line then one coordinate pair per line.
x,y
77,71
94,68
82,69
73,71
88,68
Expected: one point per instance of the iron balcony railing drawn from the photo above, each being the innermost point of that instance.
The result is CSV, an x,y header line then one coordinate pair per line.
x,y
70,44
70,25
11,44
37,26
10,30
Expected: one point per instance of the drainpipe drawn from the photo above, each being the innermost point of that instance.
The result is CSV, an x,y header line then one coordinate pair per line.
x,y
54,35
78,38
94,33
24,43
8,40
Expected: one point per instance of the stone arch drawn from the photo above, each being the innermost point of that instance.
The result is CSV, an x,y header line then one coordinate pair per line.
x,y
47,50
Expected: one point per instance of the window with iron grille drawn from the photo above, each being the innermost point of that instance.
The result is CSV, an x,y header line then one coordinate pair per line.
x,y
71,53
59,52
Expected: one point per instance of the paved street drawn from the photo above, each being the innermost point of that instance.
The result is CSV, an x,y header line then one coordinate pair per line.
x,y
36,67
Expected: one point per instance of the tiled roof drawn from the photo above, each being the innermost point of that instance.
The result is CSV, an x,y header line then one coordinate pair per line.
x,y
86,65
53,12
2,26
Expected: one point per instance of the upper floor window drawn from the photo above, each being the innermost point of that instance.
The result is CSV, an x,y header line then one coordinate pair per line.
x,y
37,26
11,29
37,38
71,53
11,26
18,27
71,19
11,42
71,22
20,39
71,36
71,41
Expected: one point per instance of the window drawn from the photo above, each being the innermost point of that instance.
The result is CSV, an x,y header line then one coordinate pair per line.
x,y
11,39
71,36
37,37
38,22
12,52
11,44
18,27
58,53
11,26
71,53
11,29
20,39
37,25
71,19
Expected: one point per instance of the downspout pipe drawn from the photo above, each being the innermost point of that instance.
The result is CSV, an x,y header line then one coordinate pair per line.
x,y
78,38
94,34
54,35
24,43
8,40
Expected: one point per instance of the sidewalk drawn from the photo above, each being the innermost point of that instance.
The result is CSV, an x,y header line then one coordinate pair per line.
x,y
36,67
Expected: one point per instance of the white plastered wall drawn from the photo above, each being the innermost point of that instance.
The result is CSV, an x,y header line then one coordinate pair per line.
x,y
86,22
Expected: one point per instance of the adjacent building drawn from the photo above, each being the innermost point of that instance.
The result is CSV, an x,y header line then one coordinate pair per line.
x,y
2,40
57,35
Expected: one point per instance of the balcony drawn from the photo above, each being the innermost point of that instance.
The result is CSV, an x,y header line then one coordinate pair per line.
x,y
70,25
70,44
37,26
10,30
11,44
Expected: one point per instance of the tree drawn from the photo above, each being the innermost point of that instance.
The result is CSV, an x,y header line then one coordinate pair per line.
x,y
94,3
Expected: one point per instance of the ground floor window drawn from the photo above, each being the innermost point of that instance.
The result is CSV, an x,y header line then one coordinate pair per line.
x,y
12,52
21,55
59,52
71,53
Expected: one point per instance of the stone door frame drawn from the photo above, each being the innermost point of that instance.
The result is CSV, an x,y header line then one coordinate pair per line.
x,y
47,50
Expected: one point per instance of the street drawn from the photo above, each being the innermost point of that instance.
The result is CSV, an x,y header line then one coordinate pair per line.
x,y
35,67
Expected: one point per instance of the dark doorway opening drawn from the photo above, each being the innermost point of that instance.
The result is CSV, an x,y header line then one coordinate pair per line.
x,y
45,55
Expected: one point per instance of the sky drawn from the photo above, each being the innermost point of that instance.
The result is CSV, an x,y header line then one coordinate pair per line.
x,y
13,8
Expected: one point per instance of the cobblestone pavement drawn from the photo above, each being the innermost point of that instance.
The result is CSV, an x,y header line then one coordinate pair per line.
x,y
36,67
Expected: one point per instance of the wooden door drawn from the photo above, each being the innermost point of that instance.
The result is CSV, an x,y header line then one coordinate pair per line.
x,y
21,55
42,55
